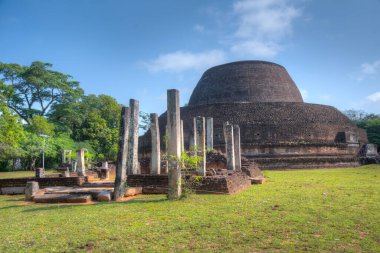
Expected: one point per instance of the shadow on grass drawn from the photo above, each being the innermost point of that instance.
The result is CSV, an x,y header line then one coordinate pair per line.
x,y
49,208
142,201
15,200
60,206
10,207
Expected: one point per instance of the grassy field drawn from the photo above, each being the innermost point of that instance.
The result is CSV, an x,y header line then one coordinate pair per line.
x,y
332,210
17,174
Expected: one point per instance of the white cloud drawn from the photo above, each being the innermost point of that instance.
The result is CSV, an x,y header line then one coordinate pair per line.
x,y
375,97
370,68
262,25
256,48
183,60
259,29
367,70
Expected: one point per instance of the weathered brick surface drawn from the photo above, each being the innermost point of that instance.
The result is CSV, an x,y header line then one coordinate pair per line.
x,y
224,184
43,182
274,122
63,198
147,180
157,184
245,81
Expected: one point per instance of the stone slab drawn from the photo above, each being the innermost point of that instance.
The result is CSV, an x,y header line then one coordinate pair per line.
x,y
94,192
257,180
154,190
63,198
31,189
132,191
110,184
104,196
12,190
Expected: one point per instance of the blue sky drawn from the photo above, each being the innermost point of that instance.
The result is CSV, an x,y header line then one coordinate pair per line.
x,y
139,49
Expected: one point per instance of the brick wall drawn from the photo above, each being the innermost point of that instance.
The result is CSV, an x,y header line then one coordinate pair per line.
x,y
212,184
43,182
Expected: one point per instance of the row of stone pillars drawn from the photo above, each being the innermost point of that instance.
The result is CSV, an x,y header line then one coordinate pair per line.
x,y
79,164
128,145
202,137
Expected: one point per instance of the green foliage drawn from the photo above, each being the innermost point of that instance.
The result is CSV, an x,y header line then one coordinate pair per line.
x,y
189,163
370,122
331,210
144,121
11,134
189,160
32,147
94,119
39,125
32,90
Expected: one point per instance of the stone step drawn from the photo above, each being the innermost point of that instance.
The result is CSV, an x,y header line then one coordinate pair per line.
x,y
63,198
12,190
99,184
257,180
132,191
94,192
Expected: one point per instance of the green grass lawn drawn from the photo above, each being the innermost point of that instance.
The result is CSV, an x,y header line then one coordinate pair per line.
x,y
331,210
17,174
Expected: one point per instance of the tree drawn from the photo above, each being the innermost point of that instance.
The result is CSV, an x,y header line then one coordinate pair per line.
x,y
39,125
32,90
144,121
11,134
94,119
370,122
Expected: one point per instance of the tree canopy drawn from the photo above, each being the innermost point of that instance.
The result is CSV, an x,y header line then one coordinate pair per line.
x,y
32,90
370,122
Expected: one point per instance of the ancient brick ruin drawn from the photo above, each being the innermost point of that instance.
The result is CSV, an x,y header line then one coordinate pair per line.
x,y
278,130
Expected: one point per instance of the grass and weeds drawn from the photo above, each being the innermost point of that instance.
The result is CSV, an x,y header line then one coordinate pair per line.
x,y
330,210
18,174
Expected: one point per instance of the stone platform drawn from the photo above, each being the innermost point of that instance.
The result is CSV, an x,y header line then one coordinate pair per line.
x,y
217,184
63,198
11,186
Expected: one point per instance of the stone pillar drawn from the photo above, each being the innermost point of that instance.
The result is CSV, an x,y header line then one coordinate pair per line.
x,y
133,162
74,166
210,133
40,172
104,171
81,168
31,189
193,134
229,140
164,162
237,147
182,138
105,164
174,144
66,173
121,165
201,145
156,153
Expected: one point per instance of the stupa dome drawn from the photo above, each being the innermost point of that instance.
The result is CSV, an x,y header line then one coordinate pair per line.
x,y
245,82
277,129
